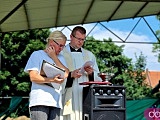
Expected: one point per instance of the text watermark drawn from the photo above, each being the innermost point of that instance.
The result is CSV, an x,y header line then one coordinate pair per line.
x,y
152,114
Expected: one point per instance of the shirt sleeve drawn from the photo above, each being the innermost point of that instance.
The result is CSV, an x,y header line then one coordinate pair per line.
x,y
91,77
33,63
69,81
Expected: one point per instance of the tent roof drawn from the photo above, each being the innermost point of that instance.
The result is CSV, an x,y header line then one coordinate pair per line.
x,y
18,15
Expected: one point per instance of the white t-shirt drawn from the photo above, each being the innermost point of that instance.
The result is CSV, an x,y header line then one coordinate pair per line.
x,y
42,94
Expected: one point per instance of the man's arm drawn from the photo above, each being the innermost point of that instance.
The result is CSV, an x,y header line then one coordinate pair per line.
x,y
69,81
91,76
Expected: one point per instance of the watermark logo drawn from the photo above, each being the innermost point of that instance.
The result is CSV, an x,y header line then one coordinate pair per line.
x,y
152,114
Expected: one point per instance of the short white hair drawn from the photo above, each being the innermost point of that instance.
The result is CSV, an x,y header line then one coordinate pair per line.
x,y
56,35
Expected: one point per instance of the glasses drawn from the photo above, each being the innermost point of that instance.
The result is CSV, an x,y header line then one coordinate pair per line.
x,y
60,45
80,39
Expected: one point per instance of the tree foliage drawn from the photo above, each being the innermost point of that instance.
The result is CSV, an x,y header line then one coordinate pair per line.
x,y
156,47
15,50
111,60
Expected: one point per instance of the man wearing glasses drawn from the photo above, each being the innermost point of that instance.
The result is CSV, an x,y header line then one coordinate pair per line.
x,y
75,57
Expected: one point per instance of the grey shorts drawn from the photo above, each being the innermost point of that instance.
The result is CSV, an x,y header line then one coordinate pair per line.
x,y
44,113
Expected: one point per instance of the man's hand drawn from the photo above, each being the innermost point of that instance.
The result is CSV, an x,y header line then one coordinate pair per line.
x,y
76,73
88,69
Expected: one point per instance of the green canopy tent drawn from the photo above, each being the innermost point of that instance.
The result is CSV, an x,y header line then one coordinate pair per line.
x,y
17,105
15,101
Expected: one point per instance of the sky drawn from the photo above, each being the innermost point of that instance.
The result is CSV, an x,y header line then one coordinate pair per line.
x,y
122,31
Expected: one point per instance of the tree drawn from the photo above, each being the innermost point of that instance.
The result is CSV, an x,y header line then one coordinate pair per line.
x,y
111,60
156,47
135,79
109,57
15,51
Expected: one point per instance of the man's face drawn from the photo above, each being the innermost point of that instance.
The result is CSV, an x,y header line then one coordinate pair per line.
x,y
77,40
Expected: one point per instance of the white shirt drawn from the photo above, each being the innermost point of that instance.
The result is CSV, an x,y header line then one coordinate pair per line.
x,y
42,94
